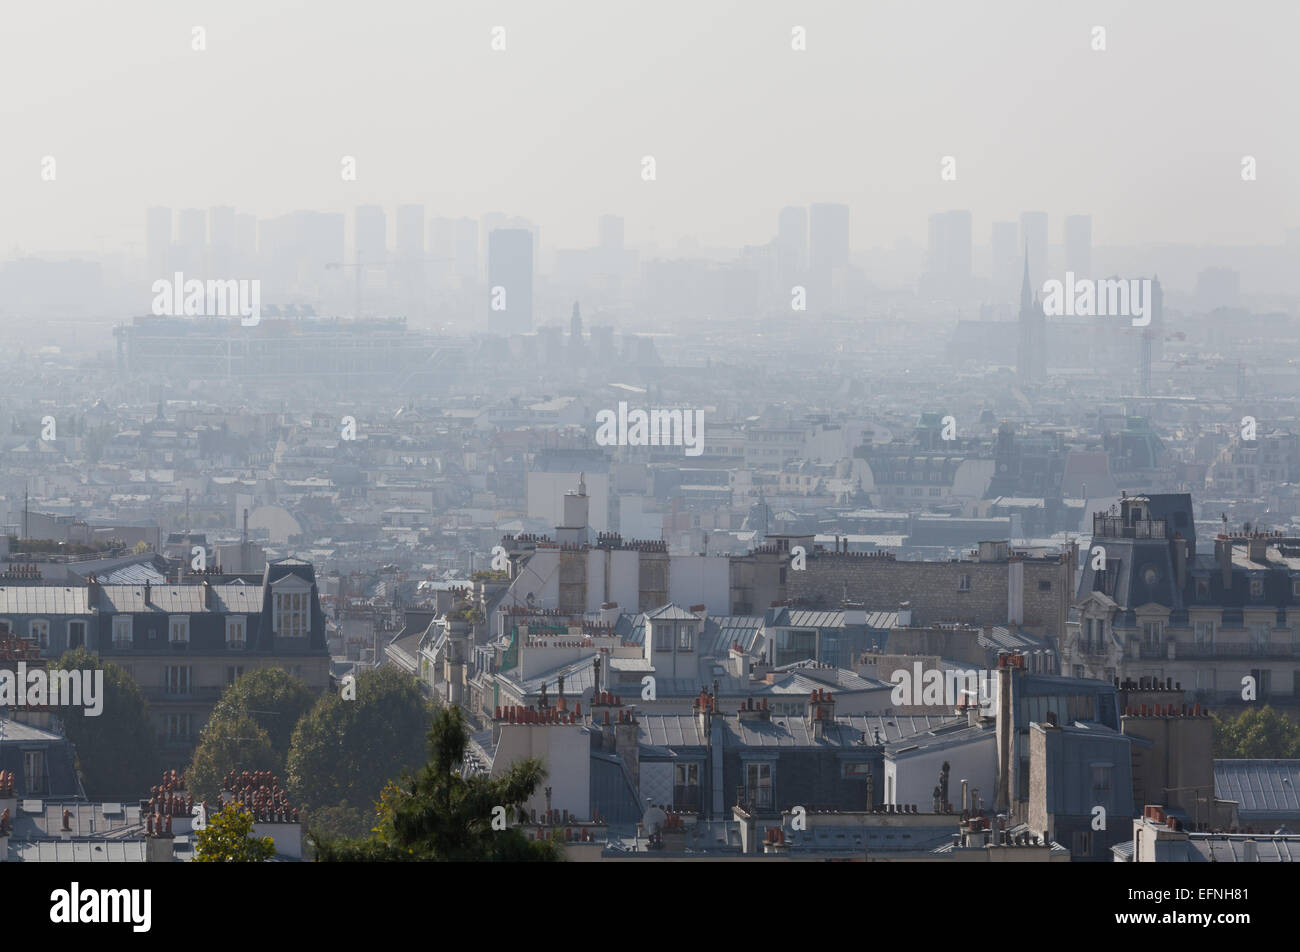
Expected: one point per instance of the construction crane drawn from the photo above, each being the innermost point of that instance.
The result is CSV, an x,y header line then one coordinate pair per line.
x,y
360,266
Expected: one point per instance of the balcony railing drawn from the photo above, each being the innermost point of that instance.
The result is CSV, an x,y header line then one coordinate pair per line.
x,y
1114,527
1235,649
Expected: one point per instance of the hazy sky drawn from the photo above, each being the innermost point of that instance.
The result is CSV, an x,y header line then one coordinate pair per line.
x,y
1147,136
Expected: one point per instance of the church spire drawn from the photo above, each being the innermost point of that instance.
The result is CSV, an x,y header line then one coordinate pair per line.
x,y
1026,292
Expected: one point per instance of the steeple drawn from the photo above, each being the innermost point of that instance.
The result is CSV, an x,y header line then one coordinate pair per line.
x,y
1026,292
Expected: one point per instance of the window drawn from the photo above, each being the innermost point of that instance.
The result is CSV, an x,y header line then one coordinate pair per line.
x,y
233,672
179,629
1205,633
758,786
76,634
860,770
1081,844
1256,588
1202,587
1295,587
6,627
686,638
179,679
291,614
40,632
1152,632
686,786
1259,637
178,726
963,583
34,771
121,631
1101,782
235,632
663,637
1045,585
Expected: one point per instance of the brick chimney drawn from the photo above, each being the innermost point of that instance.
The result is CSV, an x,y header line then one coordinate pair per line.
x,y
821,712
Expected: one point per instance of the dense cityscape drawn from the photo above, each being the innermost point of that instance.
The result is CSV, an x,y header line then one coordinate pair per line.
x,y
383,527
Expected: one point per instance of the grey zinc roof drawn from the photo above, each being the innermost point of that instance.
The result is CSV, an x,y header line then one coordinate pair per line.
x,y
854,730
237,598
1261,787
669,730
172,599
670,612
43,600
724,631
1222,848
804,618
79,851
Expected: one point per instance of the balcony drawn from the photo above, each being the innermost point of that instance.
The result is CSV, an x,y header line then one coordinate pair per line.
x,y
1234,650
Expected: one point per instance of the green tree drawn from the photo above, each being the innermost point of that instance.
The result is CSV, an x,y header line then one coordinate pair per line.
x,y
230,743
440,816
274,699
1257,733
226,839
117,750
344,751
337,822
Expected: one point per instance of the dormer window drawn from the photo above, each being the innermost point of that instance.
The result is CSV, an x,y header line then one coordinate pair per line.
x,y
1257,588
235,627
686,638
291,614
178,629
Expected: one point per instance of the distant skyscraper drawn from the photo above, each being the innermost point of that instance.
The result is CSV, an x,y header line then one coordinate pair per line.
x,y
456,239
370,235
1078,245
1033,235
221,241
158,239
1004,267
410,231
191,241
611,232
828,236
1031,350
828,251
792,240
510,281
245,238
950,247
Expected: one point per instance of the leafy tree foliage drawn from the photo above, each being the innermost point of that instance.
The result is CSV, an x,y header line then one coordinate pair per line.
x,y
274,699
234,742
1257,733
338,822
444,817
226,839
117,751
343,752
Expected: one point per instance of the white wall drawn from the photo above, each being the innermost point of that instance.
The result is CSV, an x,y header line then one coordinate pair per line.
x,y
565,754
917,775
